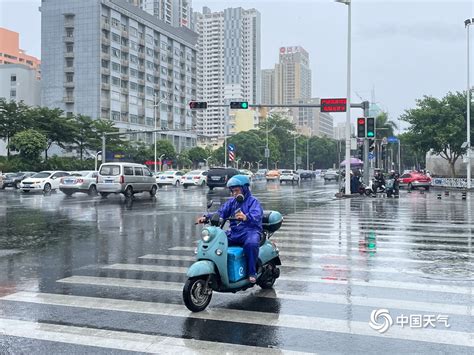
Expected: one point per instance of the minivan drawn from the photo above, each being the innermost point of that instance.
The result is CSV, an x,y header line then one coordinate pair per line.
x,y
218,177
125,178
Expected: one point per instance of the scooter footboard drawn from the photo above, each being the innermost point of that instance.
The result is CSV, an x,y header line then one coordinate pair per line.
x,y
201,267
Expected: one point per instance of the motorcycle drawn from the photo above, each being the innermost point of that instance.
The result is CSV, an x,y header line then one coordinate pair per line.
x,y
374,187
221,268
391,188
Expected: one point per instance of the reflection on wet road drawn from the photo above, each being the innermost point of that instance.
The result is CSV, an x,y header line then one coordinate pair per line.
x,y
96,275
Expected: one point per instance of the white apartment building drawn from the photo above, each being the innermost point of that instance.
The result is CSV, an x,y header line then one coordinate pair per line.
x,y
228,65
176,13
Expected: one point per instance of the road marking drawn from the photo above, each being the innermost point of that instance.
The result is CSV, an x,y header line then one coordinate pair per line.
x,y
282,294
287,263
247,317
122,340
295,276
326,255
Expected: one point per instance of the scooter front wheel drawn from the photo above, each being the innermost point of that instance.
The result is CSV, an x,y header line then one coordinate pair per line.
x,y
196,295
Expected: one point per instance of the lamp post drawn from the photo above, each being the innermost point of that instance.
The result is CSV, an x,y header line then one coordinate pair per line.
x,y
348,111
207,161
96,158
155,104
468,23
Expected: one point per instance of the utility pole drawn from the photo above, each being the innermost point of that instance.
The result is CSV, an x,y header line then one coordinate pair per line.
x,y
366,147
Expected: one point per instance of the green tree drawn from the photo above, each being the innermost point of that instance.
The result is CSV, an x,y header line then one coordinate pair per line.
x,y
439,125
30,144
113,142
197,155
248,146
84,133
384,126
14,118
283,132
182,160
57,128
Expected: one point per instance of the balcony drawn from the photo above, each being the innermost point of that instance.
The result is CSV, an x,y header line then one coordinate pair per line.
x,y
68,39
105,86
105,25
69,85
124,33
69,24
141,82
105,56
105,40
124,62
105,104
124,77
69,69
105,71
124,91
141,67
141,95
69,55
68,99
124,48
141,55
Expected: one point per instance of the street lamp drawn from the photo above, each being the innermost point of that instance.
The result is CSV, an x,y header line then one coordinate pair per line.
x,y
207,161
96,155
155,104
258,165
468,23
348,111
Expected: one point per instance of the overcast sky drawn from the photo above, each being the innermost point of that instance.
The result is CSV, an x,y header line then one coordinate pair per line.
x,y
401,49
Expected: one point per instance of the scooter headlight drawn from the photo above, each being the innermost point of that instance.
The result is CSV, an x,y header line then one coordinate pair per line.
x,y
205,236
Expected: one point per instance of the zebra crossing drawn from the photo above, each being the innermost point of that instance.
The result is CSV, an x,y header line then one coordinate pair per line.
x,y
341,262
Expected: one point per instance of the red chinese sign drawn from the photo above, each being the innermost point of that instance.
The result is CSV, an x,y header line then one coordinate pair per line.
x,y
333,105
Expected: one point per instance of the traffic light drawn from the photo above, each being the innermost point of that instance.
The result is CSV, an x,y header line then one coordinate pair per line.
x,y
370,127
371,145
361,127
383,151
360,152
198,105
239,105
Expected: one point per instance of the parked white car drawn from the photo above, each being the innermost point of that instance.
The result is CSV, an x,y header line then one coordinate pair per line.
x,y
45,181
289,176
194,178
170,177
79,181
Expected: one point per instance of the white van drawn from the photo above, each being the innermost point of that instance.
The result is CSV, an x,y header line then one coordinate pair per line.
x,y
125,178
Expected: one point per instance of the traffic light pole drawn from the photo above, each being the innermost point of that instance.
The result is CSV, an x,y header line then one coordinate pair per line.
x,y
366,151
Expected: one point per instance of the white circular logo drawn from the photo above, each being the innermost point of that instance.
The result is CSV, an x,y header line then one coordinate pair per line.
x,y
382,315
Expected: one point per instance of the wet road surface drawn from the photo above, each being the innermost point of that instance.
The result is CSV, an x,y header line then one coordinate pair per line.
x,y
91,275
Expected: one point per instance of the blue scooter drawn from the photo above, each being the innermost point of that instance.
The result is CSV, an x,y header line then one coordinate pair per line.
x,y
222,268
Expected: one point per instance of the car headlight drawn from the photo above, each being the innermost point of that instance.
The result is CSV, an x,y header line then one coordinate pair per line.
x,y
205,236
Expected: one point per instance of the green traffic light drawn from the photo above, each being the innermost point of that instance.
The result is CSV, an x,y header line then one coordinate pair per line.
x,y
245,105
370,134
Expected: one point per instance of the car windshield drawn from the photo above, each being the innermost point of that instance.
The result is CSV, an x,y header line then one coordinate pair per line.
x,y
110,170
41,175
196,172
170,173
12,175
286,171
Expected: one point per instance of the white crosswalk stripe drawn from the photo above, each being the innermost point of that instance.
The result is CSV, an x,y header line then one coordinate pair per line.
x,y
246,317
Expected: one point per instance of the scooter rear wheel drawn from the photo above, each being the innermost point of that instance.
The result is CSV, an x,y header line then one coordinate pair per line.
x,y
196,296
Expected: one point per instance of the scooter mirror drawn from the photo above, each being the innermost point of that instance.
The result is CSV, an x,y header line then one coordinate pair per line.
x,y
215,219
209,204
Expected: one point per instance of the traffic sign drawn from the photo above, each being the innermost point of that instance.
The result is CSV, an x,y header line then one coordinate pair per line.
x,y
371,156
267,153
384,141
231,147
392,139
231,156
333,105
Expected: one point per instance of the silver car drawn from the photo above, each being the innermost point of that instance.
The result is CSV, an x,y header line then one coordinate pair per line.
x,y
125,178
79,181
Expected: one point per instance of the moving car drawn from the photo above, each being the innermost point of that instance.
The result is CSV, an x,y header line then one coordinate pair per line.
x,y
331,174
273,175
414,179
247,172
218,177
125,178
194,178
15,179
45,181
170,177
306,174
260,174
79,181
289,176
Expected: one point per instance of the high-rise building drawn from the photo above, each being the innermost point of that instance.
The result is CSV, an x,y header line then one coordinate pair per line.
x,y
176,13
228,65
311,121
292,76
10,52
268,86
111,60
19,82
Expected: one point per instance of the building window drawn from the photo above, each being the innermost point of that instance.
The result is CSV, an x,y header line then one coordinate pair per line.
x,y
69,32
69,78
116,67
105,63
13,94
69,48
13,78
115,115
115,37
115,81
69,114
69,63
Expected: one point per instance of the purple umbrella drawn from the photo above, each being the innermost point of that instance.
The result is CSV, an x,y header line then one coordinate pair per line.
x,y
353,162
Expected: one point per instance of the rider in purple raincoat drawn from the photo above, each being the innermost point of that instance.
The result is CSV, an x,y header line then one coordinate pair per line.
x,y
247,230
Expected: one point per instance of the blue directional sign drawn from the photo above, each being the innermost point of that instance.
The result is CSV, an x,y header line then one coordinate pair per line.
x,y
392,140
371,156
231,147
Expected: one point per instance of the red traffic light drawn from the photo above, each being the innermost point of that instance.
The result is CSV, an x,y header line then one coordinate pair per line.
x,y
361,121
196,105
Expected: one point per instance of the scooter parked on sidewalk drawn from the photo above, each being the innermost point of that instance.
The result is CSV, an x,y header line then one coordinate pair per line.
x,y
222,268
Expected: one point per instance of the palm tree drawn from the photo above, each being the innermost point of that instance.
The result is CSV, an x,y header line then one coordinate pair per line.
x,y
384,126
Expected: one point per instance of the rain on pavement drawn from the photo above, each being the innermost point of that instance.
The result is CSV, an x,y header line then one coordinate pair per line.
x,y
86,274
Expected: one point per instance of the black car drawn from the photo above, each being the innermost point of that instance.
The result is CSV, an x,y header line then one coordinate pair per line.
x,y
218,177
306,174
14,179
